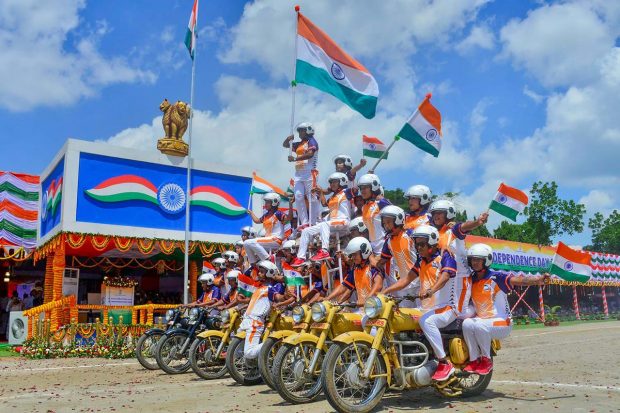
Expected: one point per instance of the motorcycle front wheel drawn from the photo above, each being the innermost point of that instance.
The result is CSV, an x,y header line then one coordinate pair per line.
x,y
168,353
202,361
145,350
265,360
244,372
293,382
344,387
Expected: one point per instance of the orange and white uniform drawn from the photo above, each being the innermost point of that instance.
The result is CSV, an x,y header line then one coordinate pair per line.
x,y
413,221
493,318
400,249
305,179
256,248
360,280
453,241
372,220
337,220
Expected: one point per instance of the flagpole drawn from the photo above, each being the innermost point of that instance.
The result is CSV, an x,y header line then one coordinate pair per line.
x,y
293,85
189,169
383,155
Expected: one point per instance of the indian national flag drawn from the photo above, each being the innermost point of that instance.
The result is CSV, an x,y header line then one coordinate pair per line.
x,y
292,277
262,186
509,202
322,64
124,188
247,285
217,200
571,265
207,267
190,35
423,128
373,147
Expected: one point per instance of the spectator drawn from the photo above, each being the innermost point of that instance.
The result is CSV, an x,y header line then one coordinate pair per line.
x,y
37,297
28,301
15,304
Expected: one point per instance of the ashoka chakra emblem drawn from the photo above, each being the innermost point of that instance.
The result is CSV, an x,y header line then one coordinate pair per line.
x,y
337,72
568,266
171,198
502,199
44,206
431,135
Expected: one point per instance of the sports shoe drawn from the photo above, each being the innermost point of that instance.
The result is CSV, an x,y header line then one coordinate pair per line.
x,y
444,370
320,256
485,366
472,366
298,262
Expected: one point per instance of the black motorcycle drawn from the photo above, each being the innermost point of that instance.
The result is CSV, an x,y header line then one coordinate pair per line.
x,y
147,343
172,351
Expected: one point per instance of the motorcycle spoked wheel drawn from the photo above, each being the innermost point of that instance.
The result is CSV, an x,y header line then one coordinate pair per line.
x,y
201,358
473,384
240,370
265,360
145,350
343,387
168,355
292,382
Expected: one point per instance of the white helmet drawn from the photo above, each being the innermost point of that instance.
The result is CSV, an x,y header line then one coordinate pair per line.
x,y
419,191
273,197
359,244
358,224
289,245
395,212
307,126
480,251
340,177
428,232
251,232
233,274
346,159
444,205
370,179
207,277
271,270
218,263
230,256
239,244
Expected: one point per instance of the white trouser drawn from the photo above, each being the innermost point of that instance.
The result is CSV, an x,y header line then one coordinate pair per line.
x,y
431,322
324,228
256,248
253,332
479,332
302,192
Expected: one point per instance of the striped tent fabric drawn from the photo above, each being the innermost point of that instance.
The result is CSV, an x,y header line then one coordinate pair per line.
x,y
19,200
605,267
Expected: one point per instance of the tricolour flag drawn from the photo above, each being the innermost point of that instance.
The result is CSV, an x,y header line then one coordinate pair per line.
x,y
322,64
124,188
262,186
247,285
509,202
423,128
292,277
216,199
208,268
373,147
190,35
571,265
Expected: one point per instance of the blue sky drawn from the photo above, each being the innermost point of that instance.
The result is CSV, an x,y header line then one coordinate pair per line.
x,y
525,88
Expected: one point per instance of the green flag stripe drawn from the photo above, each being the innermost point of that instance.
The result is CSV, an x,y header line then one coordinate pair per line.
x,y
568,276
411,135
504,210
374,154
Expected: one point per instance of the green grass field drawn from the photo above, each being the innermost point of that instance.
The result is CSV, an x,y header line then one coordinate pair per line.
x,y
562,324
7,351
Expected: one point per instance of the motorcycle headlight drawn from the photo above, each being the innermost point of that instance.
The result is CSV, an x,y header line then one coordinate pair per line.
x,y
193,314
372,307
298,314
169,315
225,315
318,312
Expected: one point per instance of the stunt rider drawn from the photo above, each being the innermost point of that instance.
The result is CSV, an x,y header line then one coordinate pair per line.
x,y
344,164
370,188
419,198
210,292
273,223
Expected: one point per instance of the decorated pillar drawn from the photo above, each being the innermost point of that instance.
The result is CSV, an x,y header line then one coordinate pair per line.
x,y
576,303
605,308
541,303
49,278
193,279
58,269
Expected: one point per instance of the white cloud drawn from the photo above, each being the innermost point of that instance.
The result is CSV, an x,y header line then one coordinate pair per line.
x,y
37,67
479,37
477,121
559,44
536,97
598,201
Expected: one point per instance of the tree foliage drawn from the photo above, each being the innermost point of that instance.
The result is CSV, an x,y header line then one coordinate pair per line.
x,y
605,233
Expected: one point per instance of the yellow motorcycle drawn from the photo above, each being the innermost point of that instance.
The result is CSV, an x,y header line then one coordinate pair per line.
x,y
301,317
297,365
244,371
207,355
392,352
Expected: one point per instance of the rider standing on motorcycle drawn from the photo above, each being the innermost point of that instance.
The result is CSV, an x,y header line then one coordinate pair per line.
x,y
260,306
273,223
210,292
370,188
493,318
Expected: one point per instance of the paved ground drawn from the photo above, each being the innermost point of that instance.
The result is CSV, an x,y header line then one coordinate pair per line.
x,y
561,369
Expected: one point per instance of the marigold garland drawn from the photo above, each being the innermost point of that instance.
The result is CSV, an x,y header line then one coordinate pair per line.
x,y
123,244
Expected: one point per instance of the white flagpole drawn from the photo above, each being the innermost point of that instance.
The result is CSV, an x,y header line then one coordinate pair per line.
x,y
383,155
294,84
189,169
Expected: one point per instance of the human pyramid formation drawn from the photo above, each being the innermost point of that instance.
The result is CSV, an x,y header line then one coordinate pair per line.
x,y
417,253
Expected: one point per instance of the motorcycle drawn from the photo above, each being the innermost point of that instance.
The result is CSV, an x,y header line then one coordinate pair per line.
x,y
392,352
301,316
207,354
244,371
297,365
145,347
172,349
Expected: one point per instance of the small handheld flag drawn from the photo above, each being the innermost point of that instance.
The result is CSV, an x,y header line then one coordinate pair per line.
x,y
373,147
571,265
423,128
509,202
262,186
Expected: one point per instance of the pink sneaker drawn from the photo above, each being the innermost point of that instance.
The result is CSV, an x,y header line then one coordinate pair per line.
x,y
320,256
298,262
485,366
444,370
472,366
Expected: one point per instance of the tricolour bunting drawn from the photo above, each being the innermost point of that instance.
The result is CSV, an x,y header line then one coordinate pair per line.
x,y
571,265
509,202
423,128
